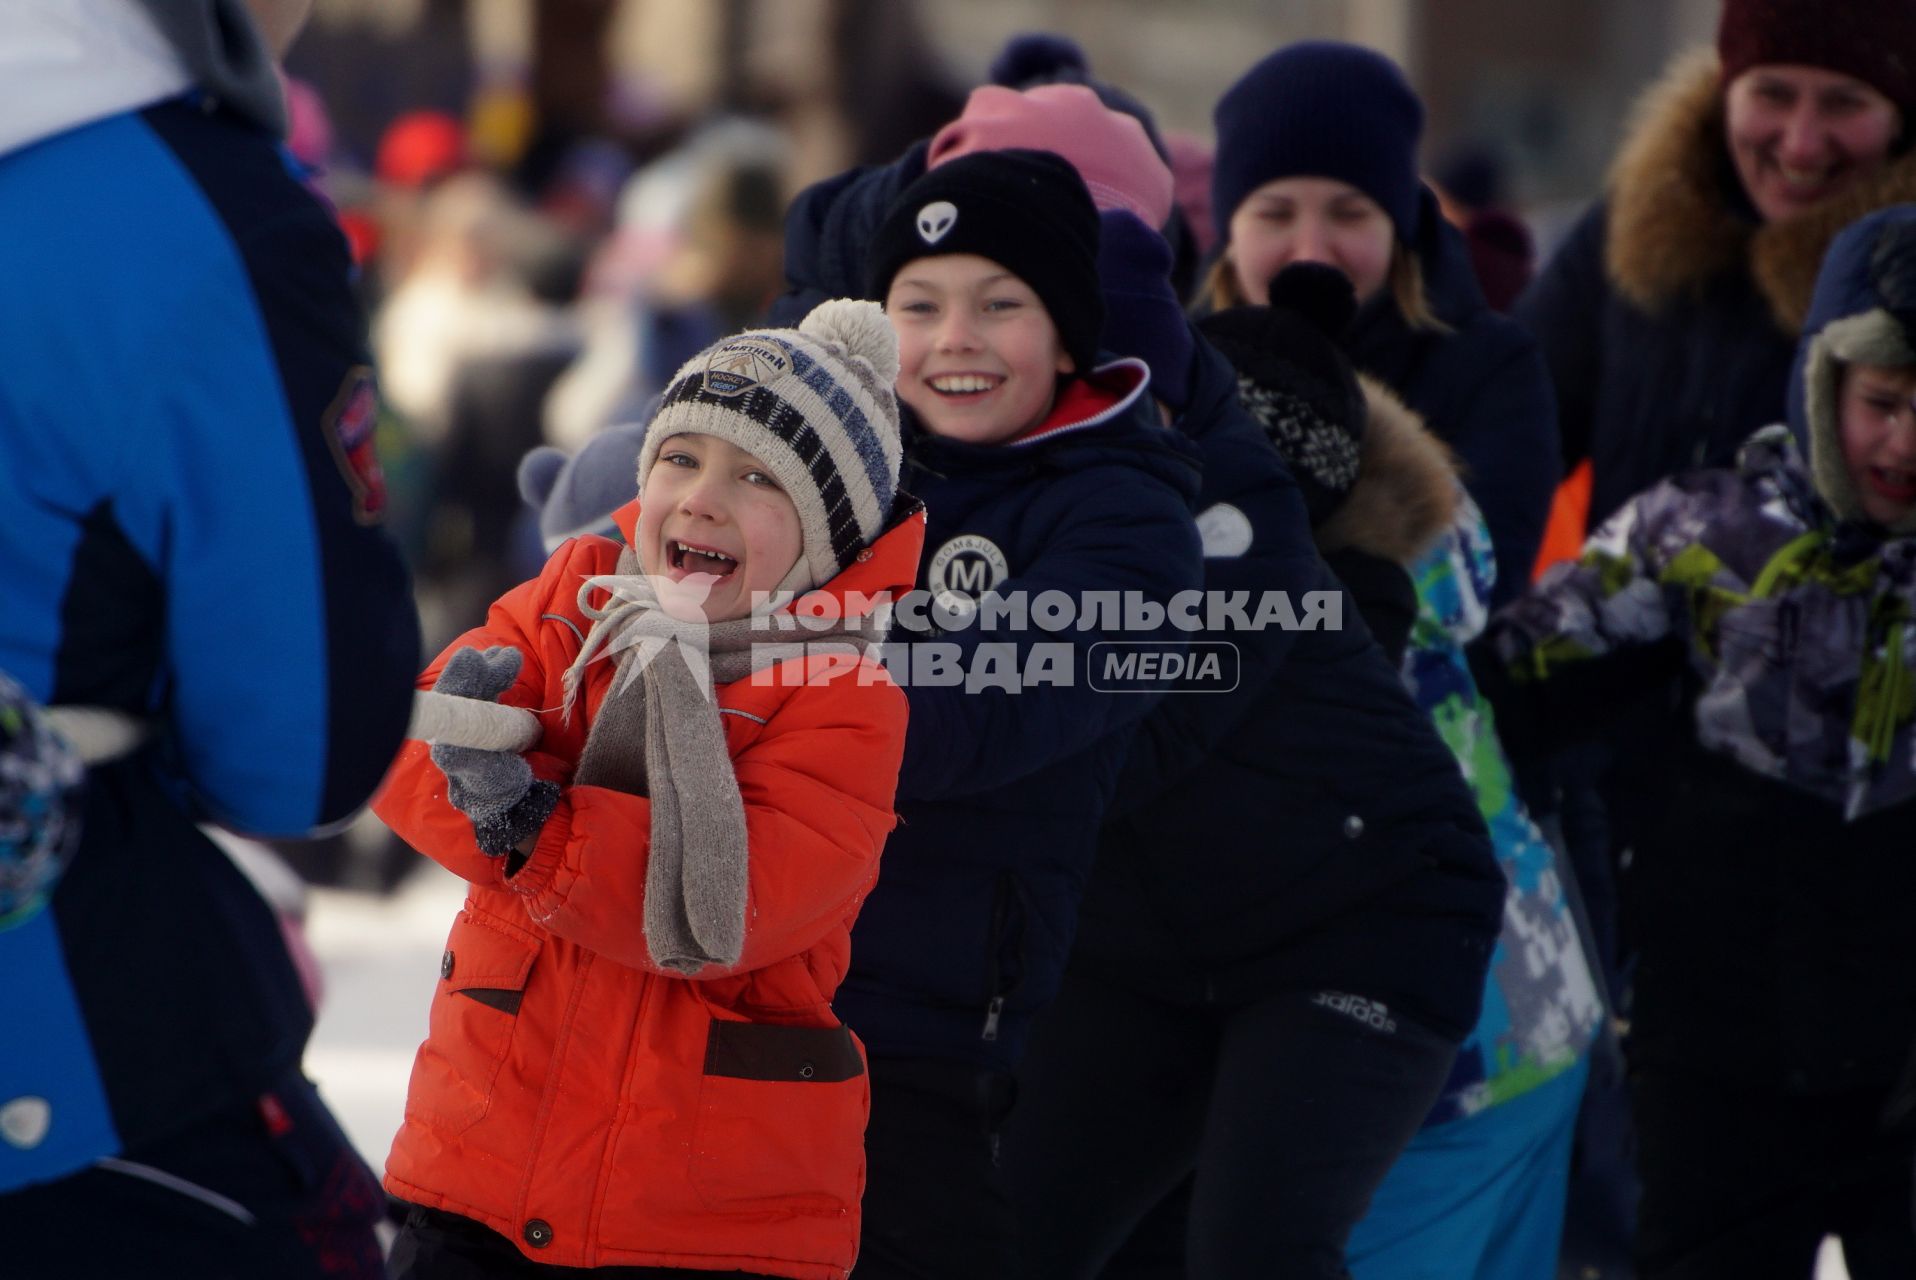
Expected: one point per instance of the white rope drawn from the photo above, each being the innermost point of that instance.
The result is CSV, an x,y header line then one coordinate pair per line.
x,y
468,722
99,734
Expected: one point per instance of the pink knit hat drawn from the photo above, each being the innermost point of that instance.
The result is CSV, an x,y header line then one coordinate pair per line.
x,y
1109,149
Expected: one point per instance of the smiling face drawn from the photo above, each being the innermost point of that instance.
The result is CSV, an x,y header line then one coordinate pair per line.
x,y
714,521
1309,220
1877,417
978,355
1799,135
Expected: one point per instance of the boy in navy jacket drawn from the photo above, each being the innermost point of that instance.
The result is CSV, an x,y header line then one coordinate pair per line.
x,y
1043,471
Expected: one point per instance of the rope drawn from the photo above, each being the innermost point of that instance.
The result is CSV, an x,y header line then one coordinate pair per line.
x,y
99,734
468,722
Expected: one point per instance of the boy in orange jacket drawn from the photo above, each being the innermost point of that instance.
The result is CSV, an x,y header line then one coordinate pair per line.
x,y
632,1060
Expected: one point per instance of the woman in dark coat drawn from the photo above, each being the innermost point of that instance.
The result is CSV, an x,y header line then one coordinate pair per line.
x,y
1316,161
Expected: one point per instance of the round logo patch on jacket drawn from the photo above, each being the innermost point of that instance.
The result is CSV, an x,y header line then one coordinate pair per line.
x,y
964,569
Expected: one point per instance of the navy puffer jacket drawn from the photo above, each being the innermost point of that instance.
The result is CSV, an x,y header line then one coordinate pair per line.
x,y
1310,801
965,936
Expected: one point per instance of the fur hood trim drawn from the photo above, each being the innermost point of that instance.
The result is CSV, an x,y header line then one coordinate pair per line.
x,y
1406,491
1674,217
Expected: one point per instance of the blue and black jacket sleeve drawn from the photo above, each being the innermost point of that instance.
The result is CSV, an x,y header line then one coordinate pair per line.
x,y
291,637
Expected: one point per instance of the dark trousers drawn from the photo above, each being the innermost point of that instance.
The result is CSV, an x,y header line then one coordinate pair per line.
x,y
936,1207
435,1245
1745,1183
267,1188
1284,1113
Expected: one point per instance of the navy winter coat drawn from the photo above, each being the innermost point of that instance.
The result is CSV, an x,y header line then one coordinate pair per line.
x,y
1645,396
965,936
1301,807
1481,388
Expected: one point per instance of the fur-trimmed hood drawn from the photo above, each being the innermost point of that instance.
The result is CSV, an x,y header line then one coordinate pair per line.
x,y
1677,219
1406,491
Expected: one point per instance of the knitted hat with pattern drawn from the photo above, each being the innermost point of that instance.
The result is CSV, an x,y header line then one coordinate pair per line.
x,y
815,405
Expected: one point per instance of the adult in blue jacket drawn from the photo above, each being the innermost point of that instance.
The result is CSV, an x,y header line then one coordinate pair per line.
x,y
190,537
1316,161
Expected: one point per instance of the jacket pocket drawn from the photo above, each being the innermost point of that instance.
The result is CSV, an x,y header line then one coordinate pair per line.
x,y
482,981
781,1123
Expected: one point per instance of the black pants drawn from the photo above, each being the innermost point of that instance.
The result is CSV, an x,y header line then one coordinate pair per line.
x,y
935,1206
268,1188
1286,1113
434,1245
1745,1183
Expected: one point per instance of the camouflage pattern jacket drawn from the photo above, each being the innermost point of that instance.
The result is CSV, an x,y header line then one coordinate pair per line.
x,y
1796,626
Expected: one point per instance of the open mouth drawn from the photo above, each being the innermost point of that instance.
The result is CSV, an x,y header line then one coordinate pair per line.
x,y
1894,483
1806,184
687,557
963,386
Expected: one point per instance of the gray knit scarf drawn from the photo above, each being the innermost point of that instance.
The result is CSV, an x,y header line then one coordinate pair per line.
x,y
658,734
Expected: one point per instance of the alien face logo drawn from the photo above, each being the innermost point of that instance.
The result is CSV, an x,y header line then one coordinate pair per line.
x,y
935,219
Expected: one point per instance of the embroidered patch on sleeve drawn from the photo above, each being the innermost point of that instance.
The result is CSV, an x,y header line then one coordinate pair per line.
x,y
349,427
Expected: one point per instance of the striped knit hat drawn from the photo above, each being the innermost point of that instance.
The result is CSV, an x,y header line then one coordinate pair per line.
x,y
815,405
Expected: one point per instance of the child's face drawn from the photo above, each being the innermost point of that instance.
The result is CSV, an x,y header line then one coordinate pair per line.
x,y
978,355
714,521
1309,220
1877,411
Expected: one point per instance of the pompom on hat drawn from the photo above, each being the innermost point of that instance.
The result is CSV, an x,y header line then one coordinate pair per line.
x,y
815,405
1872,40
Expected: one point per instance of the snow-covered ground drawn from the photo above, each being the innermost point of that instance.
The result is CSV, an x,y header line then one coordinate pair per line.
x,y
381,961
380,957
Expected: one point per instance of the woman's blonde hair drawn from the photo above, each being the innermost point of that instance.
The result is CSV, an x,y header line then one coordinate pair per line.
x,y
1405,279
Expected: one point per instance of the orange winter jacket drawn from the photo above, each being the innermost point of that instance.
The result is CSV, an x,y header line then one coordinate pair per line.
x,y
597,1110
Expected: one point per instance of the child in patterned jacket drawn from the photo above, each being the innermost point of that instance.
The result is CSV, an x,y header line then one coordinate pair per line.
x,y
1774,902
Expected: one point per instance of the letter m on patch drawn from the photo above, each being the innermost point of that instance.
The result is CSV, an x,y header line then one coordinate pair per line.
x,y
969,574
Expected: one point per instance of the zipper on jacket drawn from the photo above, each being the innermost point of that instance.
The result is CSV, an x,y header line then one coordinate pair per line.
x,y
1001,897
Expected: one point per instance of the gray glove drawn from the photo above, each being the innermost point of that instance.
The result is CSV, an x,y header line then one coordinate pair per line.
x,y
495,789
